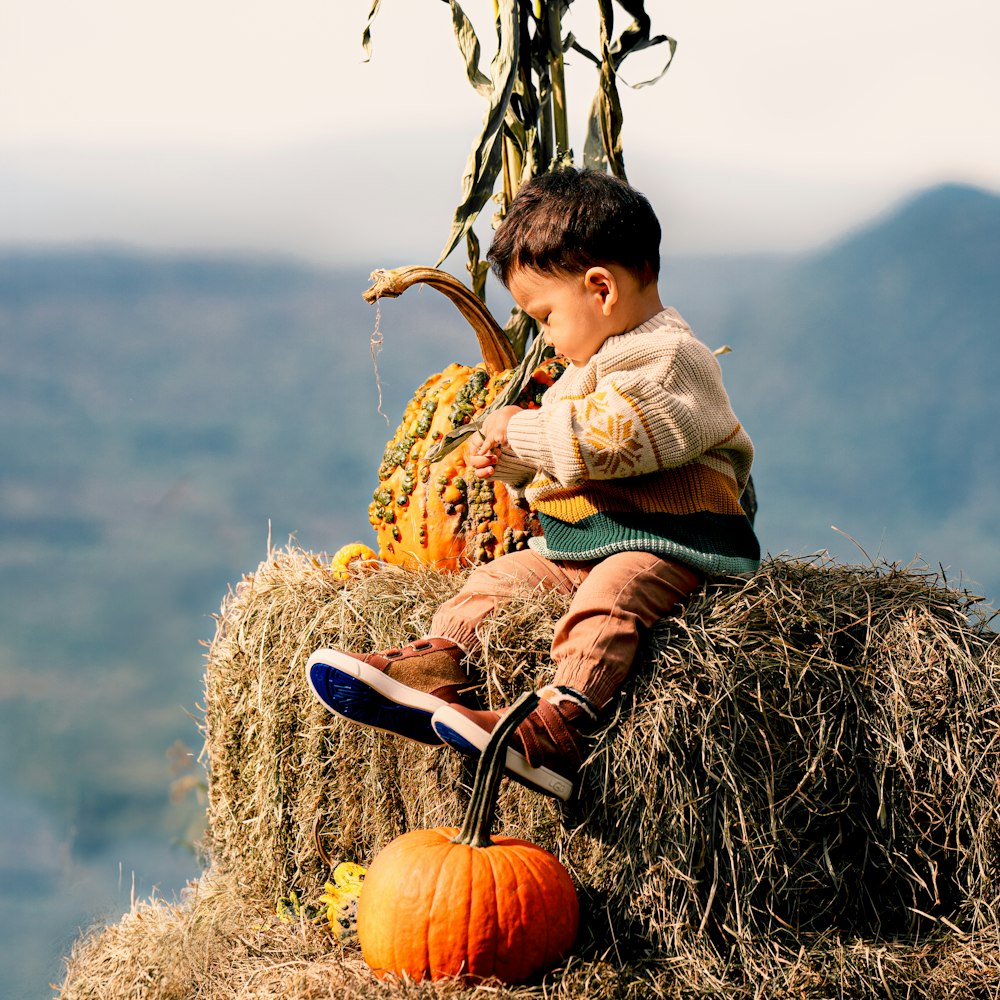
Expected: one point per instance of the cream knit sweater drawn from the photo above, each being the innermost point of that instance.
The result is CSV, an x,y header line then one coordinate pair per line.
x,y
638,449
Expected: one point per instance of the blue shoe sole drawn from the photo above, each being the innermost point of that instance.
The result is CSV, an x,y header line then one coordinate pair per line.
x,y
456,741
354,700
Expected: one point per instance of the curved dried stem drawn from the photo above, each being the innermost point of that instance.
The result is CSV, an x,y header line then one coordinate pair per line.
x,y
496,349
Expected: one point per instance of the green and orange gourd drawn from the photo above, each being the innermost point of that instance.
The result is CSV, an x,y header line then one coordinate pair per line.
x,y
430,512
445,902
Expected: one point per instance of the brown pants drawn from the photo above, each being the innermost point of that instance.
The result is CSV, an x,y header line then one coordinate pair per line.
x,y
596,640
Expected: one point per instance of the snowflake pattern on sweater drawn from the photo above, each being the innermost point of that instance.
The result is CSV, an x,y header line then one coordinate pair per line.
x,y
610,438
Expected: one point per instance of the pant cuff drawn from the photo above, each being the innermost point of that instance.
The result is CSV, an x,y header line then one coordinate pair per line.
x,y
598,690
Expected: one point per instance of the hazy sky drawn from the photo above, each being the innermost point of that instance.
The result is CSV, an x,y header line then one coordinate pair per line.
x,y
256,125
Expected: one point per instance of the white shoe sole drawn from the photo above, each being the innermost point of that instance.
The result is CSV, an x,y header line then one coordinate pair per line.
x,y
465,736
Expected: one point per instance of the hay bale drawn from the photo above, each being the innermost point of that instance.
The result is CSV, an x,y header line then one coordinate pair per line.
x,y
217,942
797,794
217,945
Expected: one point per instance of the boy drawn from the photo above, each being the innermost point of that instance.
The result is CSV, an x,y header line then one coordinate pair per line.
x,y
634,463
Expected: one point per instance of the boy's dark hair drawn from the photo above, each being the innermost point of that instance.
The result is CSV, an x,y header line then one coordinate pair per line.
x,y
568,220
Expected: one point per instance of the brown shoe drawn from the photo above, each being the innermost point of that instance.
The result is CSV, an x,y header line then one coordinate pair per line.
x,y
546,750
396,690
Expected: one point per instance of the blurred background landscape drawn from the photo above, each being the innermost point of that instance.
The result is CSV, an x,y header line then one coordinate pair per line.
x,y
191,201
163,414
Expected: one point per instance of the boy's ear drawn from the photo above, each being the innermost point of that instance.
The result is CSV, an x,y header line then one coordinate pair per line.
x,y
600,281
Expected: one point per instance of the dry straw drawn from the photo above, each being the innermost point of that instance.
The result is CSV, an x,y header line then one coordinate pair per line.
x,y
796,797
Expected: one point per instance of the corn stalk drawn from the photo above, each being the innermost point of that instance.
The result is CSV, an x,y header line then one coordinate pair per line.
x,y
525,127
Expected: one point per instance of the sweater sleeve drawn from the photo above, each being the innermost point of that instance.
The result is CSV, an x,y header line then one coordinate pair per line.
x,y
636,419
513,472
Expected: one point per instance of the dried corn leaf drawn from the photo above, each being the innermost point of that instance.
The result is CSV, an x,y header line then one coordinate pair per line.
x,y
366,37
486,158
522,375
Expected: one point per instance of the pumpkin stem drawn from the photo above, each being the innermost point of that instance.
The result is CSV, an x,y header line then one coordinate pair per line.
x,y
498,354
479,815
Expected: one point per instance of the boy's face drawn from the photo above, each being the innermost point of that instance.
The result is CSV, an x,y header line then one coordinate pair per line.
x,y
573,310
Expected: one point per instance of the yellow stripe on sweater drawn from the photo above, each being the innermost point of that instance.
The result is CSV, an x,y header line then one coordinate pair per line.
x,y
690,489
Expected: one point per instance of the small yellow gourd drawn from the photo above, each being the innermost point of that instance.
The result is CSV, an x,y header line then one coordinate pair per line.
x,y
350,559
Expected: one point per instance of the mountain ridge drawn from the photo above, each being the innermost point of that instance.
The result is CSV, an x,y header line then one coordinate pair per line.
x,y
869,360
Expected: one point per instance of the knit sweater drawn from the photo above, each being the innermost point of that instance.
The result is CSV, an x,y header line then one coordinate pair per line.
x,y
638,449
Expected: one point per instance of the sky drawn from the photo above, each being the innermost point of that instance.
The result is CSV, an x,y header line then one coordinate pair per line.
x,y
255,125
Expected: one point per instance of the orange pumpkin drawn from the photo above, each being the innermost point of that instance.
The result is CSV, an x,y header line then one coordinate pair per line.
x,y
447,903
436,513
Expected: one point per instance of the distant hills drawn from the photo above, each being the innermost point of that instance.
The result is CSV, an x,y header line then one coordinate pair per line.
x,y
863,372
161,413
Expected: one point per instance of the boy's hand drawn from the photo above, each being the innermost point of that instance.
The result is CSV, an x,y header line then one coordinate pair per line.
x,y
494,427
481,455
483,449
